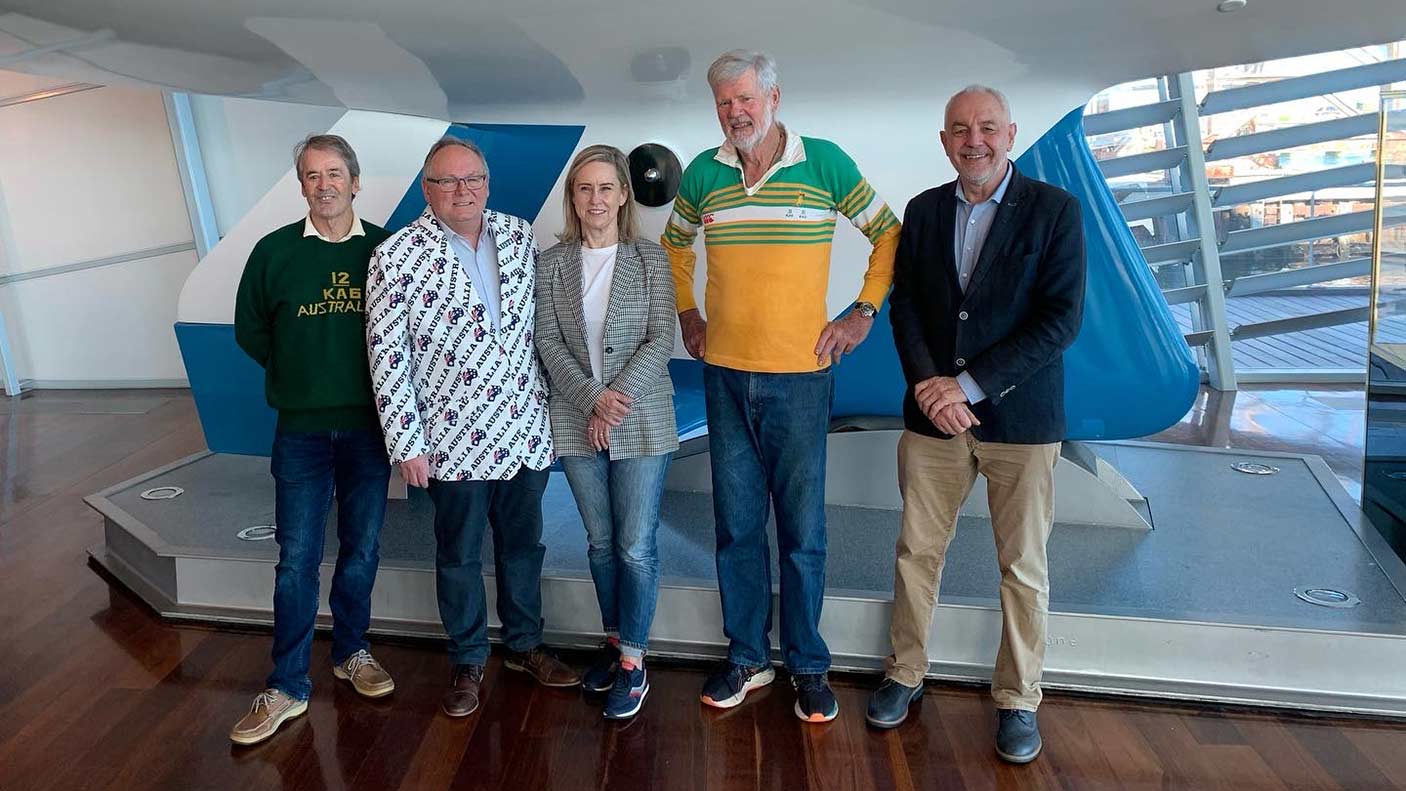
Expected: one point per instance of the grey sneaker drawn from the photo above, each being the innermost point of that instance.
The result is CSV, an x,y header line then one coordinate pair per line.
x,y
366,675
271,709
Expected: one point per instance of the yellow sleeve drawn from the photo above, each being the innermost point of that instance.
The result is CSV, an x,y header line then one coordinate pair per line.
x,y
879,276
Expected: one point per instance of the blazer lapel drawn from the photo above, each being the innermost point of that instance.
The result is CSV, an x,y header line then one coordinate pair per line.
x,y
1002,229
946,234
571,291
622,283
438,257
507,300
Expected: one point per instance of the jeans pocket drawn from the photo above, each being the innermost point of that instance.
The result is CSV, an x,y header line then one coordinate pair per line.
x,y
300,455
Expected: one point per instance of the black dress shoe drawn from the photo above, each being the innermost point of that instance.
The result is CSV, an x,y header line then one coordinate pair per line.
x,y
1017,736
888,706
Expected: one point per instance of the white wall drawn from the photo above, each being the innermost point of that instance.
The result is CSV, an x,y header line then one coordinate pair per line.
x,y
88,176
248,146
102,326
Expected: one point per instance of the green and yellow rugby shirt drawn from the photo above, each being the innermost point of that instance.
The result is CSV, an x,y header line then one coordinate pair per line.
x,y
768,250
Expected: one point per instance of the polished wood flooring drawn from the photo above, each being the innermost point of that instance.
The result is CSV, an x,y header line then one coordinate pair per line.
x,y
96,692
1325,420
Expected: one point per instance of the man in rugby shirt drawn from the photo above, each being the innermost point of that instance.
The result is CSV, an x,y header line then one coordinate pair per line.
x,y
767,201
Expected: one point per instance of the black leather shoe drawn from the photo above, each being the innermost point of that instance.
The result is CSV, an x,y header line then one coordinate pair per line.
x,y
1017,736
888,706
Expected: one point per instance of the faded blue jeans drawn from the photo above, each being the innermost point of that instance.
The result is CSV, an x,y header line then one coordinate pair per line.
x,y
309,468
767,435
619,504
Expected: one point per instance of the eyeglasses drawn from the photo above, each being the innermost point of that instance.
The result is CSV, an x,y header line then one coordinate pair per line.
x,y
451,183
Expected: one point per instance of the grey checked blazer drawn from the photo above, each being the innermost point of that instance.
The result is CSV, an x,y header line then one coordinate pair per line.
x,y
639,340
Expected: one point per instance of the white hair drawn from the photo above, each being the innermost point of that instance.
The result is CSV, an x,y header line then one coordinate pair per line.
x,y
978,88
734,63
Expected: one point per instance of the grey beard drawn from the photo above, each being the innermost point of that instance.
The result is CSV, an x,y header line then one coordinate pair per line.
x,y
747,146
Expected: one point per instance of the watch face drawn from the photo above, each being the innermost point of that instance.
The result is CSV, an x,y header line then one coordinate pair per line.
x,y
866,310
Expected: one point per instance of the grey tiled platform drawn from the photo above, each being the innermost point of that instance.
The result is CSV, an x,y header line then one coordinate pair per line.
x,y
1231,549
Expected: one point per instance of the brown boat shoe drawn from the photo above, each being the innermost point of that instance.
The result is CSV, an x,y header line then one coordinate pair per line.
x,y
542,666
366,675
271,709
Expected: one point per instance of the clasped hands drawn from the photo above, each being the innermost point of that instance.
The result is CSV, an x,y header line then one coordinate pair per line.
x,y
943,401
610,411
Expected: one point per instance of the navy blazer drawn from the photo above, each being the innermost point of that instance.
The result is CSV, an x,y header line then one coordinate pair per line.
x,y
1010,328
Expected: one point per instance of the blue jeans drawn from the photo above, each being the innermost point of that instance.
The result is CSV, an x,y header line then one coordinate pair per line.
x,y
513,508
619,503
308,468
767,434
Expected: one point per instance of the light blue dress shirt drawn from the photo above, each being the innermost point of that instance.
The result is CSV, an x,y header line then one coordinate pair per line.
x,y
481,265
973,225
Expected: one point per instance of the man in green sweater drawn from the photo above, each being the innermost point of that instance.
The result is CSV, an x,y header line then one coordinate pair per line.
x,y
299,314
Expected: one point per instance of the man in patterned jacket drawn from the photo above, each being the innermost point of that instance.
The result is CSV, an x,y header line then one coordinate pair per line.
x,y
449,316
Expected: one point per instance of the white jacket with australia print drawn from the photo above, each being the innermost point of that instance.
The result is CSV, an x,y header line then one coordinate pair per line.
x,y
447,384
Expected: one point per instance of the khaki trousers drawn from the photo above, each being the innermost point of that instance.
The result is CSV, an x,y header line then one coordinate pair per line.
x,y
934,477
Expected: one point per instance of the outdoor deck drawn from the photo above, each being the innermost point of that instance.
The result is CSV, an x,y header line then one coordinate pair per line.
x,y
1338,348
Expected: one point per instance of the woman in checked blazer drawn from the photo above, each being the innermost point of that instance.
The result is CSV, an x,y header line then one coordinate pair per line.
x,y
605,332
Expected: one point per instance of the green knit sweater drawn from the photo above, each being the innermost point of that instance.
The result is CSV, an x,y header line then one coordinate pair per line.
x,y
299,314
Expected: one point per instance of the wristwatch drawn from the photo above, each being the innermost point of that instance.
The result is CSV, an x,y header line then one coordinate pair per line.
x,y
866,309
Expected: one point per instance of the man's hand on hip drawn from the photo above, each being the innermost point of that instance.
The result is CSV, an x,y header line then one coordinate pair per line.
x,y
842,336
416,471
953,419
937,392
695,329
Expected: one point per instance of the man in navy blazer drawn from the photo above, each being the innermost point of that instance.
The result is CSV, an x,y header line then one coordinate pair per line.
x,y
988,293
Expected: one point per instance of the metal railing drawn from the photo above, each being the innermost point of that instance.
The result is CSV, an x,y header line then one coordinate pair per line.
x,y
1189,207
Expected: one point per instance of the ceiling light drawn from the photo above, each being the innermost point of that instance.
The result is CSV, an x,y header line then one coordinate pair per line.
x,y
1229,6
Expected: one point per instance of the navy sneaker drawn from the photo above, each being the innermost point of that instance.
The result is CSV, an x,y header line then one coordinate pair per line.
x,y
814,700
727,687
627,694
1017,736
888,706
601,675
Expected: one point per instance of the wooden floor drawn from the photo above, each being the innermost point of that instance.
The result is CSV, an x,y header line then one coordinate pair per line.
x,y
1326,420
96,692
